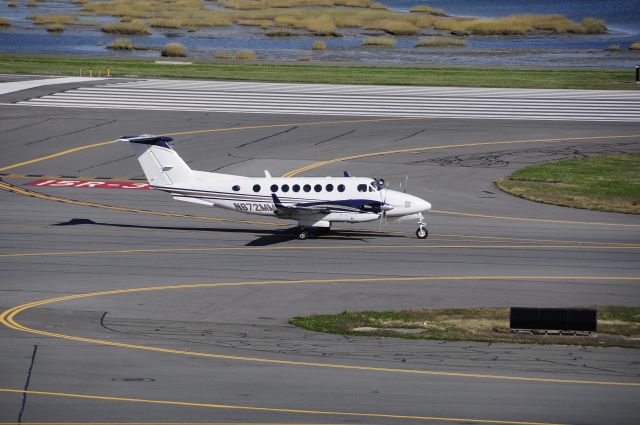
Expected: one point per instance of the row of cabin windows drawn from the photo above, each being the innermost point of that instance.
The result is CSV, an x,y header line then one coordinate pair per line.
x,y
307,188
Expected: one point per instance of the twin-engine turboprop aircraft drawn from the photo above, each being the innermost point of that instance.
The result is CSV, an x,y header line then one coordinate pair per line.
x,y
314,202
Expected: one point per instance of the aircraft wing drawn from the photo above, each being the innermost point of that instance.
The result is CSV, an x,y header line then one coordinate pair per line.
x,y
298,209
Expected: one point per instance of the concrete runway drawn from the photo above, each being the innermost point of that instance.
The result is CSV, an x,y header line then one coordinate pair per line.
x,y
207,339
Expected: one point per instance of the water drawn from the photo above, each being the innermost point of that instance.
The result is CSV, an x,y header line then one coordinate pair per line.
x,y
622,18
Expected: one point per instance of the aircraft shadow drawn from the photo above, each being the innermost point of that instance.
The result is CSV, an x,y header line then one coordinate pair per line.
x,y
266,237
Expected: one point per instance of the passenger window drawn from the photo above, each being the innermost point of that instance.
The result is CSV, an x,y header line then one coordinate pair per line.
x,y
236,188
307,188
296,188
274,187
362,188
340,188
329,188
285,188
317,187
256,188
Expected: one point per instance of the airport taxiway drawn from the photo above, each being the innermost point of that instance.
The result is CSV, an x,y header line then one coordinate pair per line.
x,y
124,306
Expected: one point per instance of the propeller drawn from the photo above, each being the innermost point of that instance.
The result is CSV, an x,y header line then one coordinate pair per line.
x,y
406,180
384,207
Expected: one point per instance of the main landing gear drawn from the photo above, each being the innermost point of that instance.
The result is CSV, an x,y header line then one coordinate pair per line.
x,y
302,233
422,231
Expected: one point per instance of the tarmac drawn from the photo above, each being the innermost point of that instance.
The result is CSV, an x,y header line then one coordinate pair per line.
x,y
124,306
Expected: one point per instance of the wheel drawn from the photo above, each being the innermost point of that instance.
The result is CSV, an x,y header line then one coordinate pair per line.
x,y
303,234
422,233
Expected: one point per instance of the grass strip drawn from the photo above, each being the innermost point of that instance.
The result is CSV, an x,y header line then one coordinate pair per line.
x,y
608,183
459,77
617,326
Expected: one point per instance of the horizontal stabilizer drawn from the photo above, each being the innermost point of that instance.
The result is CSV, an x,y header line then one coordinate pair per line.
x,y
148,139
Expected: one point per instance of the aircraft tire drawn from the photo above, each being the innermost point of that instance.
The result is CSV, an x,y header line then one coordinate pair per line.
x,y
303,234
422,233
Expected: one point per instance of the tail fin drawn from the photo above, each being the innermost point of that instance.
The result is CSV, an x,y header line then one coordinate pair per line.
x,y
161,164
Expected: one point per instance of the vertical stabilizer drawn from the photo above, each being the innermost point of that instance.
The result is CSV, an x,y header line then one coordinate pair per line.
x,y
161,164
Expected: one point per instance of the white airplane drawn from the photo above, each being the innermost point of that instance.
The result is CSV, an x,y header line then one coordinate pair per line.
x,y
314,202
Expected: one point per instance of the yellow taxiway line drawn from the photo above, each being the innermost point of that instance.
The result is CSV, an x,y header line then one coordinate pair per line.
x,y
7,318
274,409
315,248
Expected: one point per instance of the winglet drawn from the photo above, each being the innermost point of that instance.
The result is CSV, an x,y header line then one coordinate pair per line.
x,y
346,174
267,174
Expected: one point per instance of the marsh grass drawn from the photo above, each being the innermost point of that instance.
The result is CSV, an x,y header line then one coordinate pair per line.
x,y
521,24
131,28
613,48
608,183
617,326
383,41
319,45
4,22
304,58
429,10
53,19
395,27
440,42
55,28
13,3
121,44
165,23
635,46
263,23
244,55
173,50
33,3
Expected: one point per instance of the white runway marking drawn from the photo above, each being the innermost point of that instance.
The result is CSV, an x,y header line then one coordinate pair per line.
x,y
327,99
13,86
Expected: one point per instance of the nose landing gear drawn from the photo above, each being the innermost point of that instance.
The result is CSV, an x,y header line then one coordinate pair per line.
x,y
422,231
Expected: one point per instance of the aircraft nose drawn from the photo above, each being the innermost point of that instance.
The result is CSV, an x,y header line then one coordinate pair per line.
x,y
423,205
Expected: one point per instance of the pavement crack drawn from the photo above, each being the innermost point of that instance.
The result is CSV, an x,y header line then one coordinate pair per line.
x,y
27,125
228,165
92,127
411,135
266,137
335,137
26,385
105,163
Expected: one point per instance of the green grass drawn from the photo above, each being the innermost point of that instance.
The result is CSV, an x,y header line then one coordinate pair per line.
x,y
617,326
462,77
609,183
